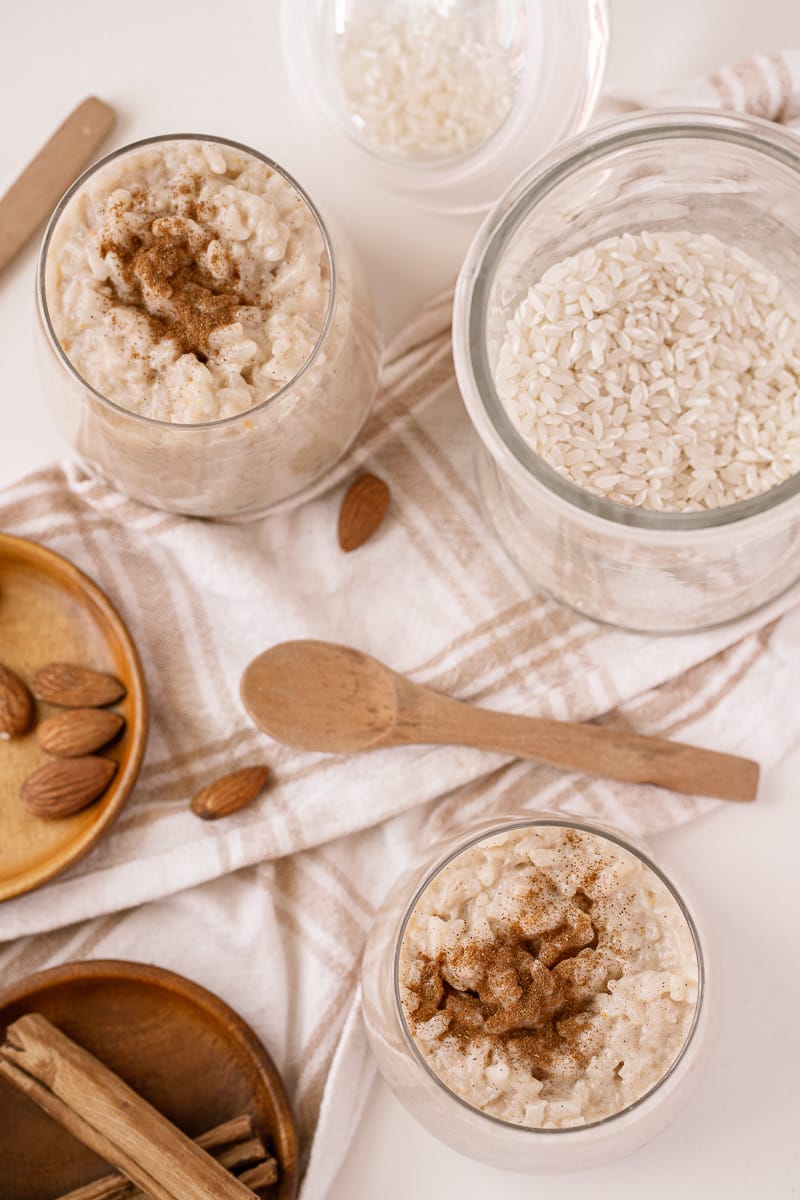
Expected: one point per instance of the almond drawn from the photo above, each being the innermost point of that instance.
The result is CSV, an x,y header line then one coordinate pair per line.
x,y
16,704
67,785
362,512
230,793
79,731
73,686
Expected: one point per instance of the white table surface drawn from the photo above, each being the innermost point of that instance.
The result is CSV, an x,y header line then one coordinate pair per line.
x,y
171,65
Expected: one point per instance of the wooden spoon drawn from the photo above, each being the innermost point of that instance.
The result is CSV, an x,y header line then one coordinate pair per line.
x,y
321,696
31,199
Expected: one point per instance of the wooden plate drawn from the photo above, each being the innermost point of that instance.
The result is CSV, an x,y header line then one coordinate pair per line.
x,y
179,1046
50,612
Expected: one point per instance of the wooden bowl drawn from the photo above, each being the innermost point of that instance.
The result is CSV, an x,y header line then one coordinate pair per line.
x,y
51,612
178,1045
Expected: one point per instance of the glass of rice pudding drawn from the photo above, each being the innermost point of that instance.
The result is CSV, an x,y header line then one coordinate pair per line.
x,y
208,343
536,994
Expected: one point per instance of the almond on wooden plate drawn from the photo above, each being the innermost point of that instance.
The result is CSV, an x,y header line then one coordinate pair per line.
x,y
364,506
64,787
230,793
78,731
74,686
16,704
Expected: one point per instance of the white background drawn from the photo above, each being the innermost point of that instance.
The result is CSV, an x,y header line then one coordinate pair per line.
x,y
215,67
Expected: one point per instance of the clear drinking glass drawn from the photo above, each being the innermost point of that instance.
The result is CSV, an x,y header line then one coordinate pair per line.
x,y
466,1128
736,177
239,467
552,54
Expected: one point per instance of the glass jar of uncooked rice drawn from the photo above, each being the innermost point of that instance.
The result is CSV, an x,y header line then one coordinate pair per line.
x,y
627,344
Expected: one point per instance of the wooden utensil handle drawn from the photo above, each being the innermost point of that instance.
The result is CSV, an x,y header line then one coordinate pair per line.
x,y
613,753
35,193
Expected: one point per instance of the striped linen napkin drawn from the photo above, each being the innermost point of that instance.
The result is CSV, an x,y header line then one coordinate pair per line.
x,y
766,85
271,906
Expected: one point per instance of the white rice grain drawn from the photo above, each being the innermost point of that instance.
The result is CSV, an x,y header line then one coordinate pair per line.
x,y
672,343
424,84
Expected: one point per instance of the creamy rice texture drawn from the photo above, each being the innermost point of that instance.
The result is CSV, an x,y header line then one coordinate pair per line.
x,y
548,977
188,281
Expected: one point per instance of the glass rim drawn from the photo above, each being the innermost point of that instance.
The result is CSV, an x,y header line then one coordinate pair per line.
x,y
597,19
506,826
472,297
41,282
459,168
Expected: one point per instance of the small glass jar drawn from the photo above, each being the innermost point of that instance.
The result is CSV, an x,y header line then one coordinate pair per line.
x,y
707,172
467,1129
544,58
241,466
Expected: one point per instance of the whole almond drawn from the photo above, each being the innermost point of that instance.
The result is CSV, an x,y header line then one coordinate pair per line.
x,y
67,785
78,731
362,512
230,793
73,686
16,704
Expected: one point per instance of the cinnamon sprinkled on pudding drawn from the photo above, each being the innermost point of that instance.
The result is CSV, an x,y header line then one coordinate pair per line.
x,y
188,281
174,270
548,976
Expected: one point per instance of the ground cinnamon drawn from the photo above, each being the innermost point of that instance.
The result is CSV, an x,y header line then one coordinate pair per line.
x,y
174,269
527,994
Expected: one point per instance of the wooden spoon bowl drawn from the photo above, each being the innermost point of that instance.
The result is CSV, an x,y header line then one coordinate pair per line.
x,y
321,696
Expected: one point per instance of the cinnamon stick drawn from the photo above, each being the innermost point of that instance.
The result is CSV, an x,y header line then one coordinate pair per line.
x,y
262,1175
234,1144
242,1154
93,1104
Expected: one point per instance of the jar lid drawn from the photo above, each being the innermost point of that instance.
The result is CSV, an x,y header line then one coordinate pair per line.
x,y
446,101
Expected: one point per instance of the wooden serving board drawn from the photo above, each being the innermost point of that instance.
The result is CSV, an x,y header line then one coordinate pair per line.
x,y
50,611
176,1044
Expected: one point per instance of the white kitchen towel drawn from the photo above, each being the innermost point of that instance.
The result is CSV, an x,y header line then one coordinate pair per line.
x,y
432,594
766,85
271,906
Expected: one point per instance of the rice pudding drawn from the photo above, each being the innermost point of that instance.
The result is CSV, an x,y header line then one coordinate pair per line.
x,y
188,282
213,348
548,977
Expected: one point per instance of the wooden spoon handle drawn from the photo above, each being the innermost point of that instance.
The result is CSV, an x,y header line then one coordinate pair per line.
x,y
630,757
33,196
